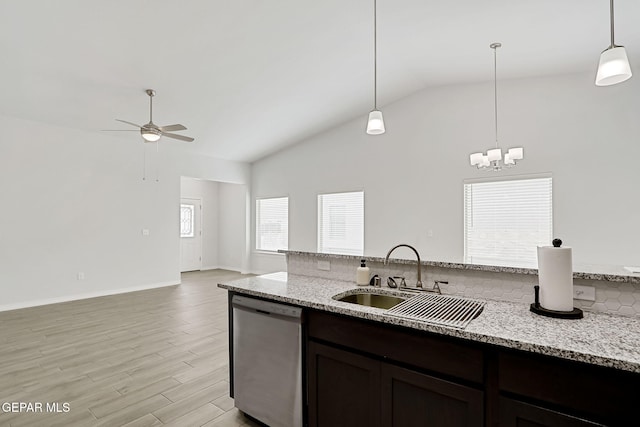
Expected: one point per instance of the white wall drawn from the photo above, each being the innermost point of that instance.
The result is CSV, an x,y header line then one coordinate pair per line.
x,y
74,201
233,227
587,137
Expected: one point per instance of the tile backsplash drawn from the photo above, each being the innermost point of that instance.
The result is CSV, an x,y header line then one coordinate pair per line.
x,y
610,297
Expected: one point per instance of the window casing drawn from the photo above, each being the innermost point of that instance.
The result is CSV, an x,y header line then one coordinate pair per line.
x,y
341,223
272,224
505,220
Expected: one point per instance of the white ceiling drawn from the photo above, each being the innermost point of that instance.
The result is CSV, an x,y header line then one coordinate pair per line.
x,y
249,77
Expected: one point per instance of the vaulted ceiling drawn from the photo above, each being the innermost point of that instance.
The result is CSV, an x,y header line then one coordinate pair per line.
x,y
249,77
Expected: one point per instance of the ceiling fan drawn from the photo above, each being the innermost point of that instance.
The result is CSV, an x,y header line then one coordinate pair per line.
x,y
152,132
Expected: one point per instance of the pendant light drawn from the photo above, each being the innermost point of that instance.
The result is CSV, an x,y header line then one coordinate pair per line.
x,y
375,124
614,65
493,159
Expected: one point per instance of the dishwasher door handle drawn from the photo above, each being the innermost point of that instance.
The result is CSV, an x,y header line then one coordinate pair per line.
x,y
266,307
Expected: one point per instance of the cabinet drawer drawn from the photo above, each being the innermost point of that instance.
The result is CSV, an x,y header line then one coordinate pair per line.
x,y
599,393
412,399
420,349
519,414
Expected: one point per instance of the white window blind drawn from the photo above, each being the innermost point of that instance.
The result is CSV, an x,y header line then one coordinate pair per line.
x,y
341,223
506,220
272,224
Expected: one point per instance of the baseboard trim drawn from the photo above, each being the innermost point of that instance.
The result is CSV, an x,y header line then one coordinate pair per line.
x,y
218,267
227,267
67,298
259,272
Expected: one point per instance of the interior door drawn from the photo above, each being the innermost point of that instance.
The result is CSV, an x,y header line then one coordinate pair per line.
x,y
190,234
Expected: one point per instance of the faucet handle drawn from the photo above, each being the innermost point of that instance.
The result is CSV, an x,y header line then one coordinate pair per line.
x,y
391,282
436,285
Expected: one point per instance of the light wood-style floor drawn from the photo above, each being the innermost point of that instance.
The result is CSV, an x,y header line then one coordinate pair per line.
x,y
149,358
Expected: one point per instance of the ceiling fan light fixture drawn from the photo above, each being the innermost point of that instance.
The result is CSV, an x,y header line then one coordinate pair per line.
x,y
375,125
150,135
613,67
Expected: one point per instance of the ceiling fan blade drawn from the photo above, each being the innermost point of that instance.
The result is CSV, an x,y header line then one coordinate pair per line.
x,y
176,136
129,123
171,128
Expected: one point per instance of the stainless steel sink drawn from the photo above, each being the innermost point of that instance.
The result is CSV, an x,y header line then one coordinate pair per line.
x,y
378,300
445,310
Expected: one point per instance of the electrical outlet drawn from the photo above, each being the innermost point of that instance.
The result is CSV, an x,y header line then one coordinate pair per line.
x,y
324,265
585,293
80,275
145,231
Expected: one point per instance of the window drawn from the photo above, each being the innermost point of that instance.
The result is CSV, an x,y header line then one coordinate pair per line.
x,y
187,220
341,223
506,220
272,224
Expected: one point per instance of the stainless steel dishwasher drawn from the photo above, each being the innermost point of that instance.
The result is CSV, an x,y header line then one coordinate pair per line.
x,y
267,361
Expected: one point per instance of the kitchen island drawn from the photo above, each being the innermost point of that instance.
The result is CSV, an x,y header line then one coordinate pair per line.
x,y
506,366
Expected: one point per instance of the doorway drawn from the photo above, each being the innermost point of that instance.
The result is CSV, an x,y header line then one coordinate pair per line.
x,y
190,234
221,221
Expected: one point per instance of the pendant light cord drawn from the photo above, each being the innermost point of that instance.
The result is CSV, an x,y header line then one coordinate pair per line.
x,y
150,108
613,44
495,47
144,162
375,55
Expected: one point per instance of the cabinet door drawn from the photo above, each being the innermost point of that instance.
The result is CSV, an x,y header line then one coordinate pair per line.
x,y
413,399
344,388
514,413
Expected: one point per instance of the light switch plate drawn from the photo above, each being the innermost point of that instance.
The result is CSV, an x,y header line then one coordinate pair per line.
x,y
585,293
145,231
324,265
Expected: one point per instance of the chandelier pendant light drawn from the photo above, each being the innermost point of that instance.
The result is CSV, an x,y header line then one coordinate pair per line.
x,y
375,124
493,160
614,65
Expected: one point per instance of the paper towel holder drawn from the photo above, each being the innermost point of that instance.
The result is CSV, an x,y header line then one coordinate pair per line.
x,y
576,313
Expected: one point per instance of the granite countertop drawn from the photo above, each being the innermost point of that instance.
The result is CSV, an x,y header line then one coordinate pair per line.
x,y
606,273
598,339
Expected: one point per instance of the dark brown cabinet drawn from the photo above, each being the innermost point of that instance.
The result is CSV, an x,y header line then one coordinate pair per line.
x,y
514,413
412,399
364,373
351,390
371,388
343,388
582,391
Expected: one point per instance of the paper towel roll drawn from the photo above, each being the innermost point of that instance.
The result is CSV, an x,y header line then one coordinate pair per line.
x,y
555,277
